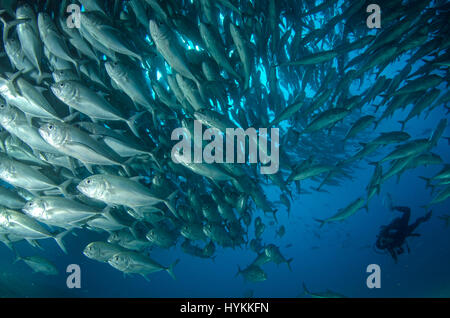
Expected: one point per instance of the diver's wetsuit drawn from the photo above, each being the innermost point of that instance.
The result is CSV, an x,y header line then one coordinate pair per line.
x,y
393,236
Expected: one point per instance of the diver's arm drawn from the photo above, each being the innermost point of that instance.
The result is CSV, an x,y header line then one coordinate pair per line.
x,y
420,220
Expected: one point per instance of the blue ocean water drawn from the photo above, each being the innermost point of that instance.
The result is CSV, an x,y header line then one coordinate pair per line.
x,y
333,257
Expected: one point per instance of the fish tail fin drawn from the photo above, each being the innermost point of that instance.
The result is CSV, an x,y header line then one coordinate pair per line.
x,y
11,78
276,234
238,272
127,170
80,63
58,238
71,117
275,215
427,180
289,192
305,290
170,203
76,65
201,88
18,258
63,187
42,76
376,109
131,123
8,25
398,177
298,186
140,58
375,124
154,158
126,166
289,263
448,139
322,222
378,188
290,178
170,269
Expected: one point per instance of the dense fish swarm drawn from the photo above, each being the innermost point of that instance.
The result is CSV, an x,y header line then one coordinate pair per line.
x,y
89,103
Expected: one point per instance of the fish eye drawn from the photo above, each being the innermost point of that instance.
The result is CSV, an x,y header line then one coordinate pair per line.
x,y
61,85
88,181
2,105
50,127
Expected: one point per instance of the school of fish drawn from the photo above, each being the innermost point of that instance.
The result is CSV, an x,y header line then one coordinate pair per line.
x,y
87,113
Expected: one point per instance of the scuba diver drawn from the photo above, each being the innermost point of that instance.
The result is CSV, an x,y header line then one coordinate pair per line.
x,y
392,237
